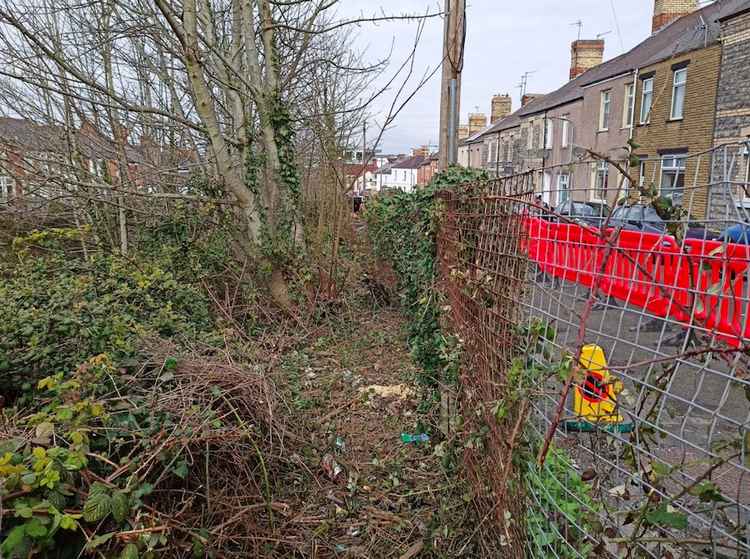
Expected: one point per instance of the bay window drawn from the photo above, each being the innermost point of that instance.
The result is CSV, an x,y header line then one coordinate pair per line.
x,y
548,133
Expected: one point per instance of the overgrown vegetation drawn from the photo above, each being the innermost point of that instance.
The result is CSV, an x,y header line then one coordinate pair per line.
x,y
565,514
403,228
120,400
61,308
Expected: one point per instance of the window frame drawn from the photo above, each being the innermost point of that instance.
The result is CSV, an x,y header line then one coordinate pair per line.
x,y
646,118
605,100
628,111
565,130
549,133
561,189
683,87
600,168
641,173
679,171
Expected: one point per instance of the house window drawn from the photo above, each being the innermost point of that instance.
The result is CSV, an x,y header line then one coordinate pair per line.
x,y
563,188
672,177
6,186
511,146
565,131
549,131
604,110
647,98
547,187
679,86
493,151
6,180
641,173
629,106
601,180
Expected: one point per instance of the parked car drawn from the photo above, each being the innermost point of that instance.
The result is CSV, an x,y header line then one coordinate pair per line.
x,y
588,213
643,217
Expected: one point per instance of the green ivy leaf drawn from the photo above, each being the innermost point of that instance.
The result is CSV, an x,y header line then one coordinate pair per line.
x,y
170,364
97,541
707,491
130,552
14,541
181,469
67,522
23,511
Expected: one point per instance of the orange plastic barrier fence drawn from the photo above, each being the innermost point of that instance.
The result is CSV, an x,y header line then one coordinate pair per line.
x,y
701,283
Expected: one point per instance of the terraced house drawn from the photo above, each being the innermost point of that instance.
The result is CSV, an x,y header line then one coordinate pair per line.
x,y
676,99
661,97
729,198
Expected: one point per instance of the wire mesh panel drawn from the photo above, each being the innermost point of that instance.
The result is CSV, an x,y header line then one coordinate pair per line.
x,y
632,326
484,269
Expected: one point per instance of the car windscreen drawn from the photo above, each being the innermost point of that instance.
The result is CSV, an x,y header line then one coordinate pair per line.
x,y
583,210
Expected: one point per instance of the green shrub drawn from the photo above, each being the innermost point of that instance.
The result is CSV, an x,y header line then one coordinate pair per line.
x,y
58,310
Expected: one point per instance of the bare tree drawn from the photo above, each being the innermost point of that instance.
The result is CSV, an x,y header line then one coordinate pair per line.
x,y
231,79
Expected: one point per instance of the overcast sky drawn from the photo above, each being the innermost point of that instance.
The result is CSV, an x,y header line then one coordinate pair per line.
x,y
505,38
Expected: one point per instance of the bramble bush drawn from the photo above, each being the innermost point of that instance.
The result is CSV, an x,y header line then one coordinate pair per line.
x,y
60,308
102,419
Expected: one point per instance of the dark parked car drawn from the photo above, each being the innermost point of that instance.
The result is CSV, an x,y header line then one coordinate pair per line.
x,y
643,217
589,213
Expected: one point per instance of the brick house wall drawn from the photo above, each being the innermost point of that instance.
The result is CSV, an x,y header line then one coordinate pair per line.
x,y
730,163
691,135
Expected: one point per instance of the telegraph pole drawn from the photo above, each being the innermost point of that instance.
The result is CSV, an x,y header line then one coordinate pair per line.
x,y
450,97
364,151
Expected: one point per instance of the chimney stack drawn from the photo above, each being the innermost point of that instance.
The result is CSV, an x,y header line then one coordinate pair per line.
x,y
584,55
463,132
666,11
477,121
501,107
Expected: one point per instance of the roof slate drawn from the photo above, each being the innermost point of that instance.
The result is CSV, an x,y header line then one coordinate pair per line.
x,y
37,137
409,163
